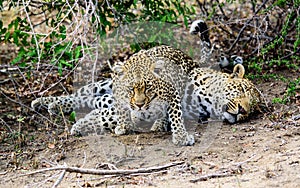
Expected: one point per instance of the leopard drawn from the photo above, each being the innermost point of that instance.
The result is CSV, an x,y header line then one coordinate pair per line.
x,y
163,86
151,84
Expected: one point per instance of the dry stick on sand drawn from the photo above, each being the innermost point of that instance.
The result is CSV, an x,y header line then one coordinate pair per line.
x,y
106,172
232,170
220,174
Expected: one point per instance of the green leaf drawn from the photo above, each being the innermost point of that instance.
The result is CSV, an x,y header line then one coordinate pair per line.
x,y
63,62
72,116
28,74
17,22
23,65
62,30
16,36
10,25
2,31
77,52
277,100
17,59
58,49
48,45
19,56
296,44
7,36
31,53
185,20
152,38
59,69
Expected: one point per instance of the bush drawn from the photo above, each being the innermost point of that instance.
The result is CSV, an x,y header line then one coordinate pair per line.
x,y
64,33
60,32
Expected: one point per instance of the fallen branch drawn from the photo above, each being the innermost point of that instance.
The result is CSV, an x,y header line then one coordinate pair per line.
x,y
3,173
106,172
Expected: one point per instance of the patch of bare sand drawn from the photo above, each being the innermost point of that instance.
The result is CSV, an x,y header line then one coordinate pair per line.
x,y
273,158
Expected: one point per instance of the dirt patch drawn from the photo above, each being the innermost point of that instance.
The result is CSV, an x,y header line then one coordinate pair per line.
x,y
272,154
269,153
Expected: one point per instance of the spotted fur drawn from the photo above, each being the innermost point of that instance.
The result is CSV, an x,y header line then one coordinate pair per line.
x,y
161,85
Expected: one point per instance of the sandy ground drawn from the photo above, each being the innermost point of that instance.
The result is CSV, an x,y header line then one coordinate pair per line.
x,y
261,152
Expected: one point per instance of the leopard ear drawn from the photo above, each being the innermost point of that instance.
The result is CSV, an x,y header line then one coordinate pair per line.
x,y
238,71
118,71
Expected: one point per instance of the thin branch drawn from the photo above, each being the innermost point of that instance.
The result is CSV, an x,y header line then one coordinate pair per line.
x,y
25,106
202,7
290,54
53,85
60,178
3,173
34,35
7,126
46,3
245,25
106,172
221,9
220,26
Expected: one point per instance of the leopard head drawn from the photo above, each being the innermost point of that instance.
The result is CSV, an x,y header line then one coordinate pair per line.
x,y
141,94
237,109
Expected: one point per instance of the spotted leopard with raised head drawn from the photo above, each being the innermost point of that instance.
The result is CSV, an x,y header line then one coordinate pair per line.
x,y
150,85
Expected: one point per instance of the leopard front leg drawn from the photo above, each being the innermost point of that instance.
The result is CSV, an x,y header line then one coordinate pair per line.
x,y
124,122
179,133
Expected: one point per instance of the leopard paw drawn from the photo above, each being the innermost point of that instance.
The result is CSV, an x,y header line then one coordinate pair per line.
x,y
123,128
183,140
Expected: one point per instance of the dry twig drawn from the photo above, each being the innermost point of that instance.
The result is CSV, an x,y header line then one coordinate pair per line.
x,y
106,172
60,178
3,173
221,174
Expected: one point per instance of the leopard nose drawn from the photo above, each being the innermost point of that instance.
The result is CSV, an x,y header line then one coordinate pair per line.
x,y
140,105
